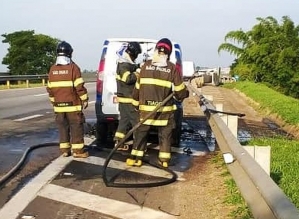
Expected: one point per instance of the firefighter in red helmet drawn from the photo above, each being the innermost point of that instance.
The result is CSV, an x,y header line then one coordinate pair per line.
x,y
69,97
157,80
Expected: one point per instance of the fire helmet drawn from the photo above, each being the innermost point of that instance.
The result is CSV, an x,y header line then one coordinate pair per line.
x,y
164,45
64,49
133,49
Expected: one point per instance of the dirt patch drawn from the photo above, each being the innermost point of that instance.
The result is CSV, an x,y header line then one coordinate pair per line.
x,y
273,121
206,179
206,189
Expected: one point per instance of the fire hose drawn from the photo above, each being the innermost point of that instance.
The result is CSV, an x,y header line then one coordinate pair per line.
x,y
130,132
10,173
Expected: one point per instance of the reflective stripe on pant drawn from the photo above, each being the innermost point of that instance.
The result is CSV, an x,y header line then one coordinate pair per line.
x,y
71,129
164,135
140,140
128,116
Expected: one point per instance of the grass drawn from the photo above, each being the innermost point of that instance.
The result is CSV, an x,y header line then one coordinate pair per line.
x,y
270,101
233,196
284,167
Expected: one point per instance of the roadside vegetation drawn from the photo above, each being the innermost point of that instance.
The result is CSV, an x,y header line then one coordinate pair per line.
x,y
29,53
267,53
267,66
284,164
233,198
284,150
269,101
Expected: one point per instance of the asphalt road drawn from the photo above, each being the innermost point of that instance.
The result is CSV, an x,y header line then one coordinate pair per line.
x,y
26,120
32,122
30,101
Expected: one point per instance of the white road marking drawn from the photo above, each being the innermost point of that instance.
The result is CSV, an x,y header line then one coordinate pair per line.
x,y
179,150
38,95
116,208
145,169
16,150
91,102
100,204
20,201
28,117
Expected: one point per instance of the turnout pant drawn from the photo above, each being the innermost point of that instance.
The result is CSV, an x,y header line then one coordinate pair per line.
x,y
164,135
128,116
71,130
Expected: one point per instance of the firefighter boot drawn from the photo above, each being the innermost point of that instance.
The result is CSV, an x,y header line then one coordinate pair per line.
x,y
133,161
163,163
122,147
80,153
138,162
130,160
65,152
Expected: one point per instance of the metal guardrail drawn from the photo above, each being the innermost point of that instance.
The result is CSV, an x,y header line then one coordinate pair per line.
x,y
27,78
88,77
263,196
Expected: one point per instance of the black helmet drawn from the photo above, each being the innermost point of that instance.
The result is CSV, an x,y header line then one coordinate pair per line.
x,y
133,49
164,45
64,49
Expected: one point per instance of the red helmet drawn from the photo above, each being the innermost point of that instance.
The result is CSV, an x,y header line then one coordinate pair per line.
x,y
164,45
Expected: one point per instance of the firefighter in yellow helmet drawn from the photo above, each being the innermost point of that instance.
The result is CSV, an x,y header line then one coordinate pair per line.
x,y
69,97
157,80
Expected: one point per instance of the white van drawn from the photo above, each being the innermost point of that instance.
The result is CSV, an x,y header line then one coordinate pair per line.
x,y
106,105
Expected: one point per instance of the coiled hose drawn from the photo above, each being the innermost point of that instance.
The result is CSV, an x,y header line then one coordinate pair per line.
x,y
138,185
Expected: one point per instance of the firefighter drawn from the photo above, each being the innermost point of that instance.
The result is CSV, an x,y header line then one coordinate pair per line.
x,y
69,97
157,80
126,76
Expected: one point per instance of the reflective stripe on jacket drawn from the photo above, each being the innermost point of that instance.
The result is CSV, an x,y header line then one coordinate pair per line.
x,y
125,79
154,84
66,88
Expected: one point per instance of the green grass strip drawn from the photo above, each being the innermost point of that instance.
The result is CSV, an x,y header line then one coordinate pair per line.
x,y
271,101
284,167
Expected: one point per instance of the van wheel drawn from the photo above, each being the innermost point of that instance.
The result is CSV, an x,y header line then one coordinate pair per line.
x,y
176,136
176,133
101,133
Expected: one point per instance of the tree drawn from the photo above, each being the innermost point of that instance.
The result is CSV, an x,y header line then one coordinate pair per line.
x,y
29,53
267,53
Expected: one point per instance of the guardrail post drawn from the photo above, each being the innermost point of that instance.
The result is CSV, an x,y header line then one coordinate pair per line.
x,y
27,83
43,81
232,123
8,84
262,155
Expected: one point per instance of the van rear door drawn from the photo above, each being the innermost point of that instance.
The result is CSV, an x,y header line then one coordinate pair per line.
x,y
109,100
115,49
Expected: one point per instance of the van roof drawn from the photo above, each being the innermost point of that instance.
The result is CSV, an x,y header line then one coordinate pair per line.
x,y
134,39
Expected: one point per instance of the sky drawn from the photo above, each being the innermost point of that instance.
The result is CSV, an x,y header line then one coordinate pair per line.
x,y
199,26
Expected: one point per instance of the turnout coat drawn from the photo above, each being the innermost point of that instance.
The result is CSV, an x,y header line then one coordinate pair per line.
x,y
154,84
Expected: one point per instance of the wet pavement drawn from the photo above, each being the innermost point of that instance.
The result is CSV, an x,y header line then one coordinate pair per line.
x,y
74,188
84,178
